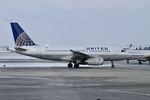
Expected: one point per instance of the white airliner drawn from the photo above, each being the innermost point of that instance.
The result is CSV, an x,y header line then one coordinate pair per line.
x,y
76,57
139,50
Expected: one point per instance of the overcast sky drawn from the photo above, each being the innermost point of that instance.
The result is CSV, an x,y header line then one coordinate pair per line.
x,y
78,22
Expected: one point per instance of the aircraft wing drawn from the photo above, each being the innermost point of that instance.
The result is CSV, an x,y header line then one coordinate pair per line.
x,y
79,56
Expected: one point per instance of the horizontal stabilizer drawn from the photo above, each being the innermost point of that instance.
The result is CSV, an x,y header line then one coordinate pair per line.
x,y
20,49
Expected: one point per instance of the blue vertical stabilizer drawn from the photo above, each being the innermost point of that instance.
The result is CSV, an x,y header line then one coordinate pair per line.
x,y
20,36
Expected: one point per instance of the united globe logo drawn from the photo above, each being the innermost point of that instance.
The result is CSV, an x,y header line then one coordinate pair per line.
x,y
24,40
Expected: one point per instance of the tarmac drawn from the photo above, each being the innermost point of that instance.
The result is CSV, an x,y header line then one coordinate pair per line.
x,y
125,82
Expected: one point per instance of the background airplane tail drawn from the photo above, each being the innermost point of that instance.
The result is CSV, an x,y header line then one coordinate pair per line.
x,y
20,36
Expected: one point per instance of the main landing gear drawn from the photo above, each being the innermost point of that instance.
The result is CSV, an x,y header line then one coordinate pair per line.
x,y
112,64
70,65
76,65
140,62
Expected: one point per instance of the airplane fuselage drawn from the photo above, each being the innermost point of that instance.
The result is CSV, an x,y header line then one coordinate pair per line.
x,y
65,55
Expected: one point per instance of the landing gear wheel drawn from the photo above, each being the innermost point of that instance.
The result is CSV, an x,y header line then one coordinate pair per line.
x,y
76,65
112,64
70,65
140,62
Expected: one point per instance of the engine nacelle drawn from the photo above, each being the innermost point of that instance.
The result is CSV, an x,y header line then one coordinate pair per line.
x,y
95,61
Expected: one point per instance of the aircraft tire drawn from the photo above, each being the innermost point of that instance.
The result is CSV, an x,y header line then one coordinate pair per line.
x,y
76,65
70,65
113,66
140,62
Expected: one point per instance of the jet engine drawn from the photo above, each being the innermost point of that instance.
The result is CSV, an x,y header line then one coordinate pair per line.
x,y
95,61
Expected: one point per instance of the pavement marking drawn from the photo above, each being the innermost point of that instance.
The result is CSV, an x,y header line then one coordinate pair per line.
x,y
129,92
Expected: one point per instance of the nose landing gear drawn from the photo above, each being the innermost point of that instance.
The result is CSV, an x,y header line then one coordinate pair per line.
x,y
112,64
